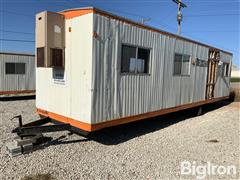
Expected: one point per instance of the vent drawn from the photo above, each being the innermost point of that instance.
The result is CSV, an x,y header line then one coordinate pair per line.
x,y
50,39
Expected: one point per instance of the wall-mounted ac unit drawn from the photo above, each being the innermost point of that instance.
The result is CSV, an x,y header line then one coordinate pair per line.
x,y
50,39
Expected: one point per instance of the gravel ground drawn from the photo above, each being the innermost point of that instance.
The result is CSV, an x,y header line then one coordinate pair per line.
x,y
235,85
150,149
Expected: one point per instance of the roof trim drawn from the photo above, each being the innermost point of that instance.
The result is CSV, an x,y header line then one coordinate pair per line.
x,y
16,53
77,12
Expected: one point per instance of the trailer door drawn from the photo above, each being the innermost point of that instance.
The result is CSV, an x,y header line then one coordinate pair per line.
x,y
213,60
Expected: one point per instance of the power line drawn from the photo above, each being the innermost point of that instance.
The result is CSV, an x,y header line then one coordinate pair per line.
x,y
233,30
216,12
127,13
17,40
198,15
116,11
163,24
11,12
212,2
159,22
132,14
17,32
206,41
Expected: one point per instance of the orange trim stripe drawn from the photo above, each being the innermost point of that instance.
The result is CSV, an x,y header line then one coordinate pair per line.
x,y
57,117
76,13
17,92
94,127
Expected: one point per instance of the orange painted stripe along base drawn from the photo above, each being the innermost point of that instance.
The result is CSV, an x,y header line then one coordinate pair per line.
x,y
17,92
94,127
57,117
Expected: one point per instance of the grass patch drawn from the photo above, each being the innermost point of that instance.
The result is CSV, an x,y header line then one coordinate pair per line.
x,y
235,95
39,177
235,79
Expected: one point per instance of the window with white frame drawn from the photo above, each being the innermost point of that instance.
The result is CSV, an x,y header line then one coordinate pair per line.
x,y
181,64
134,59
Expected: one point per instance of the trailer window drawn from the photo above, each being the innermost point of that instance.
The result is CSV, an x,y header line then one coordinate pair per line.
x,y
225,69
134,59
142,60
128,53
15,68
181,64
20,68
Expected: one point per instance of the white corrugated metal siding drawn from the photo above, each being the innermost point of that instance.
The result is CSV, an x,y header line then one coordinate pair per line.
x,y
17,82
116,95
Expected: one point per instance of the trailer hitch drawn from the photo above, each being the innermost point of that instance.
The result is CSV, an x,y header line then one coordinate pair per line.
x,y
19,117
36,127
28,135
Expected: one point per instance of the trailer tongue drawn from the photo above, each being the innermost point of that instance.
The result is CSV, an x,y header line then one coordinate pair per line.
x,y
30,135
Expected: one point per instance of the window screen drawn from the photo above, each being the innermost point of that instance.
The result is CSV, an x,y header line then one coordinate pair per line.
x,y
10,68
128,53
40,57
20,68
57,58
15,68
134,59
185,65
143,58
225,69
177,64
181,64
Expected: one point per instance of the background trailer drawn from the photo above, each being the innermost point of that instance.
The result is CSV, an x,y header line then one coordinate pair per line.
x,y
96,69
17,73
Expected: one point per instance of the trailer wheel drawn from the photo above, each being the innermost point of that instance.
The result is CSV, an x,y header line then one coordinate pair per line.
x,y
41,116
199,111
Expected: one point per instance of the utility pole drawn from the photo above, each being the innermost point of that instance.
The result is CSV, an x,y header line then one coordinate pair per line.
x,y
179,13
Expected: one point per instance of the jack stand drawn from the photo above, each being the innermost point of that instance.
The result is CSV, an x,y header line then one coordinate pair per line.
x,y
200,111
22,145
30,135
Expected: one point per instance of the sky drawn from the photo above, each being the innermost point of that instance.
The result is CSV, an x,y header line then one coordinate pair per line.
x,y
214,22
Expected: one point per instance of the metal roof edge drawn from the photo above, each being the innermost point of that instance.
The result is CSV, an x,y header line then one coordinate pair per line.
x,y
16,53
97,10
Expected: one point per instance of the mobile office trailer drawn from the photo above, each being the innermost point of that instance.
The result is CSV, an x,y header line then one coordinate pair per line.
x,y
96,70
17,73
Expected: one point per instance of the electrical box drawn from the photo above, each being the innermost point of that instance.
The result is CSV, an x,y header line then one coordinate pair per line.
x,y
50,39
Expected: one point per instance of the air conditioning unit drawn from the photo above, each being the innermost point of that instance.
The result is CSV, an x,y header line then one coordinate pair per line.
x,y
50,39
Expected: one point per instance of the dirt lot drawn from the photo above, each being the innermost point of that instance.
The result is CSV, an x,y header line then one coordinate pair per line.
x,y
235,85
150,149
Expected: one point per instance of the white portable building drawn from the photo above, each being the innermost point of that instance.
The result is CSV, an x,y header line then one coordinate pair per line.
x,y
17,73
96,70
